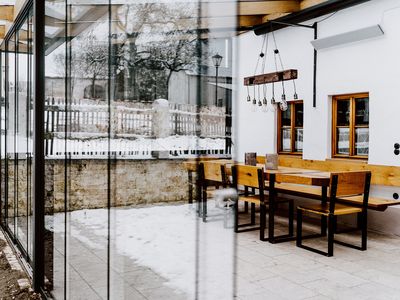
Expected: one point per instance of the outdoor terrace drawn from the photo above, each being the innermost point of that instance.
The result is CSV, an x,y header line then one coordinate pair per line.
x,y
154,251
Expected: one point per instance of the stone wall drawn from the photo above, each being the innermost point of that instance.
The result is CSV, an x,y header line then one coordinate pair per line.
x,y
133,182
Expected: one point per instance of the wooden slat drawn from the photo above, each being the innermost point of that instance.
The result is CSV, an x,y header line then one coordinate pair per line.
x,y
2,31
373,202
7,12
350,183
272,17
271,77
212,171
308,3
316,179
268,7
251,199
323,209
248,21
381,175
247,175
299,190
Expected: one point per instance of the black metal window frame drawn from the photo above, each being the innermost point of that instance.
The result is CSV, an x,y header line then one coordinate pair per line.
x,y
38,8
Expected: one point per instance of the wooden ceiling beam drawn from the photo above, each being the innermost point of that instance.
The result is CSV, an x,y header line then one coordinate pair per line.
x,y
268,7
7,12
248,21
2,31
308,3
272,17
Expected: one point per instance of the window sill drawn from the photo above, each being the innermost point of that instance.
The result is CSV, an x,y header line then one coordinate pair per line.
x,y
361,160
290,153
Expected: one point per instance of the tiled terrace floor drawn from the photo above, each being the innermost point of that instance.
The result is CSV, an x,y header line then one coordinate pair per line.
x,y
154,251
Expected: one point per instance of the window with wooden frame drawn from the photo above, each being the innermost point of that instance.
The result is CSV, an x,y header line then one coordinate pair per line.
x,y
350,128
290,129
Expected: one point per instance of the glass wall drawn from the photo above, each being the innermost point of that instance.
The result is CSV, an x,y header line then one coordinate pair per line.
x,y
16,112
132,99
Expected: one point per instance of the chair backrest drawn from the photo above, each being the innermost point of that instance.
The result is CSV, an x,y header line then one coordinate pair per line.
x,y
349,183
213,171
250,176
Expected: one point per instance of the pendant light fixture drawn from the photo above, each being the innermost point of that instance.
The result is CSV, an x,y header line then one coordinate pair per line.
x,y
280,75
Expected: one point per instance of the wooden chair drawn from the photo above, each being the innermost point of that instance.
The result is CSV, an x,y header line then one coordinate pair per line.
x,y
342,184
253,177
211,175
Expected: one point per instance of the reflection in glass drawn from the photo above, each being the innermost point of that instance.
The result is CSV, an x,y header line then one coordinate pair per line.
x,y
286,117
362,111
299,114
298,143
343,141
362,141
343,113
286,140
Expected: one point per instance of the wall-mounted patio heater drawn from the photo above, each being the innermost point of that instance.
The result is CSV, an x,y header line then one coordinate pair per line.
x,y
348,37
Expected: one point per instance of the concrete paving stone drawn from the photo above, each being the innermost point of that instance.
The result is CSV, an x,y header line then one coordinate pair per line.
x,y
295,275
383,278
286,288
143,281
334,290
81,292
119,291
164,293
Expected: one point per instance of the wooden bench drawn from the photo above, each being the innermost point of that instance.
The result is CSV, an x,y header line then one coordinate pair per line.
x,y
381,175
313,192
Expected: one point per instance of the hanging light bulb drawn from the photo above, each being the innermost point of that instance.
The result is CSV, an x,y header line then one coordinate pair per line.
x,y
283,105
273,104
295,96
254,105
248,98
265,105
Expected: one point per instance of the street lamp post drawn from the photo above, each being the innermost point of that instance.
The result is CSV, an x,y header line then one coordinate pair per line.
x,y
217,62
217,59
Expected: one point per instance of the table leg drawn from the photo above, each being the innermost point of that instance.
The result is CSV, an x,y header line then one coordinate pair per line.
x,y
190,185
324,225
271,212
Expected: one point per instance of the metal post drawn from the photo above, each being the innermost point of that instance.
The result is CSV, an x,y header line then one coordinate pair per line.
x,y
315,26
38,141
216,85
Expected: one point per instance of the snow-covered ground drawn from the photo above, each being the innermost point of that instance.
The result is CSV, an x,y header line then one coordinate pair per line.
x,y
171,240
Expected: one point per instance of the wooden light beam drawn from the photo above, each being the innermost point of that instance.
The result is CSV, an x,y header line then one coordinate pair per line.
x,y
271,77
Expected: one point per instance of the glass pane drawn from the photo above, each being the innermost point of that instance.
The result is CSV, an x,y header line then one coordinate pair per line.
x,y
362,141
286,140
362,111
343,113
299,114
10,133
21,166
286,116
343,141
298,143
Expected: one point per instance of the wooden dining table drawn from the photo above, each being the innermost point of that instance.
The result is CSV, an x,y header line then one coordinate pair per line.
x,y
282,175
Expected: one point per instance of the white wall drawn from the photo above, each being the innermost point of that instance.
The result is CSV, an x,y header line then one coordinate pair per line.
x,y
367,66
